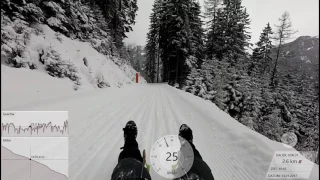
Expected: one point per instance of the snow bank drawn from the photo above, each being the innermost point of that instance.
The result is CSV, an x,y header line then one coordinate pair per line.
x,y
26,85
23,86
98,65
73,51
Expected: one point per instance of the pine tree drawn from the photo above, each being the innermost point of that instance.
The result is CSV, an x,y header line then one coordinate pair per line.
x,y
215,37
120,15
131,52
196,44
138,59
261,59
152,47
181,39
228,35
211,8
236,35
283,33
174,37
215,72
214,30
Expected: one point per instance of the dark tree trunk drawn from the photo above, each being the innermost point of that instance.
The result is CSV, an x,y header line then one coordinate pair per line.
x,y
275,64
177,67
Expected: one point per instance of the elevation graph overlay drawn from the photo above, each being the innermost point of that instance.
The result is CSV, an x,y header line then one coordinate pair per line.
x,y
34,145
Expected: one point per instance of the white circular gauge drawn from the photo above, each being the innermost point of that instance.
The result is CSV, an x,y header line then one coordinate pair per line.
x,y
171,156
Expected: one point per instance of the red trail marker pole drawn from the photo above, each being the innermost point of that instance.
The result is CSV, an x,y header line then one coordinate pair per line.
x,y
137,77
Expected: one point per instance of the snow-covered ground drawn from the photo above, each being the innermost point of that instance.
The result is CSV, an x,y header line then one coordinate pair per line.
x,y
232,151
91,64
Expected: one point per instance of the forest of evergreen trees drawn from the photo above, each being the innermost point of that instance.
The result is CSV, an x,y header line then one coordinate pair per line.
x,y
103,24
175,37
213,62
83,19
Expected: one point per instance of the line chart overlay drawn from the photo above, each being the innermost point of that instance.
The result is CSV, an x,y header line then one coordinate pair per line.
x,y
35,129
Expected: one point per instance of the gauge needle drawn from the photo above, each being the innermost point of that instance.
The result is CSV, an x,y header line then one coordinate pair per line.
x,y
166,142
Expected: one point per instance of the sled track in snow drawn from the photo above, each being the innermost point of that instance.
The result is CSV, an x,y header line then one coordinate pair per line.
x,y
218,157
96,120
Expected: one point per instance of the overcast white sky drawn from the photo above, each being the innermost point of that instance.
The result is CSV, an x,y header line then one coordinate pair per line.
x,y
304,16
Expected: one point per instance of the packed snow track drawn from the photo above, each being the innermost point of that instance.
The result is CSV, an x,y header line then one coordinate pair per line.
x,y
96,119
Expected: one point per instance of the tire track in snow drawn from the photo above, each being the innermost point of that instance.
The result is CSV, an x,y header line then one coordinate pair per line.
x,y
173,113
145,125
98,118
96,122
221,154
159,127
134,112
102,105
189,121
150,126
164,112
102,113
223,161
100,157
161,106
172,122
224,153
118,142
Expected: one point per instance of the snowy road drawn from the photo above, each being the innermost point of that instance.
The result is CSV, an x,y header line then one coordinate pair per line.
x,y
232,151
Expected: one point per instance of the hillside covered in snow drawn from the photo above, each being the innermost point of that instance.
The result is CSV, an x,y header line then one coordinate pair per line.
x,y
65,45
302,56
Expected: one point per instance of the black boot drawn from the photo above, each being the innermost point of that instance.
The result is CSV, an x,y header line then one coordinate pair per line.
x,y
130,130
186,132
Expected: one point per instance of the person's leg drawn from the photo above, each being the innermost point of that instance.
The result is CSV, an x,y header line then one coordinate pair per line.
x,y
186,132
130,150
130,162
129,168
199,168
195,151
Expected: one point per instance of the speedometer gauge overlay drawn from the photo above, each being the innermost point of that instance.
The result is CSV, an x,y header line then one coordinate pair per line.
x,y
171,156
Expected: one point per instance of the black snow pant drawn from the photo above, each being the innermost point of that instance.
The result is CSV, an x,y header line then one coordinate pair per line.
x,y
130,163
195,151
199,170
130,169
130,150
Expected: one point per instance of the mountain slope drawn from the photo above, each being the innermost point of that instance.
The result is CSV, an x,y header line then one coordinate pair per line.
x,y
66,40
302,55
